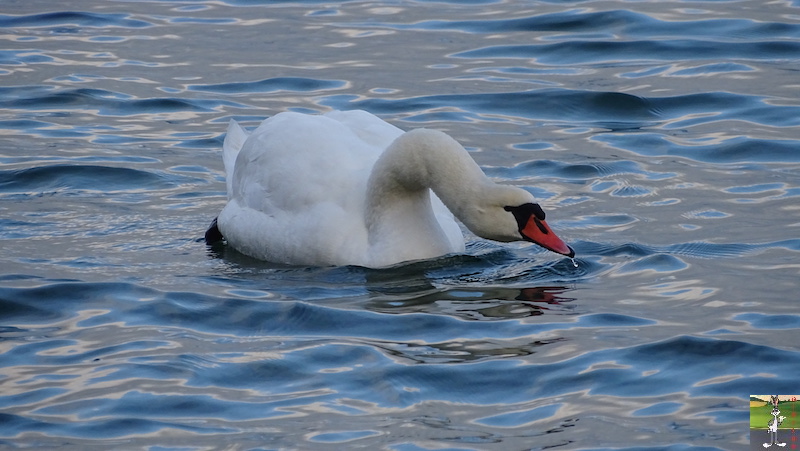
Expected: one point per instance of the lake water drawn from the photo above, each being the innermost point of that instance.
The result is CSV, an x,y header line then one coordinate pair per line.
x,y
663,139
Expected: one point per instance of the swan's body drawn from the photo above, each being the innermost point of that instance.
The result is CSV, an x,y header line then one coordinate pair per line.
x,y
347,188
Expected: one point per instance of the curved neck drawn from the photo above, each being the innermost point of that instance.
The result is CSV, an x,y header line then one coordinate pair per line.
x,y
399,213
425,159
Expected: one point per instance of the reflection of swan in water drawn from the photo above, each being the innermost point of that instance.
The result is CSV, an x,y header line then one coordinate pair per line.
x,y
347,188
545,298
487,303
481,308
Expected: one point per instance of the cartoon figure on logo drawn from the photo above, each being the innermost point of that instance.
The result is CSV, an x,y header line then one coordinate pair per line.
x,y
774,423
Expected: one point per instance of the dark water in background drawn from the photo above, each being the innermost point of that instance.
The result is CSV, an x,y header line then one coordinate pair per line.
x,y
662,137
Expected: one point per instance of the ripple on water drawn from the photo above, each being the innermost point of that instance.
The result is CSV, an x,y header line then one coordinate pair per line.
x,y
626,22
576,172
61,19
271,85
732,150
613,109
605,52
658,263
767,321
106,103
77,179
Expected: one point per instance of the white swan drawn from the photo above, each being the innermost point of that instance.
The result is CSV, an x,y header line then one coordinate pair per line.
x,y
347,188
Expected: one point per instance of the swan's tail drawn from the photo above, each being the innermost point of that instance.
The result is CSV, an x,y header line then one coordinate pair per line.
x,y
230,149
213,235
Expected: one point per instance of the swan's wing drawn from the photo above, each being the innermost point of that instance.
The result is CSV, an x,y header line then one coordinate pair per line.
x,y
293,160
234,140
447,221
298,187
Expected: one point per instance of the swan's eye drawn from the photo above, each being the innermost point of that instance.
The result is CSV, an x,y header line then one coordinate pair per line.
x,y
524,212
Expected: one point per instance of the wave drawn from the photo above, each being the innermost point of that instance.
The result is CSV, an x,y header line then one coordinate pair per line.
x,y
76,18
107,103
271,85
76,179
625,22
615,110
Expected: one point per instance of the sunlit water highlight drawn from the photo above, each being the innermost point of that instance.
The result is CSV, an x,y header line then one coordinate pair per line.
x,y
662,137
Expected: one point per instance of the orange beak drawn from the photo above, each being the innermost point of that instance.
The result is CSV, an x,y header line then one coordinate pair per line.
x,y
537,231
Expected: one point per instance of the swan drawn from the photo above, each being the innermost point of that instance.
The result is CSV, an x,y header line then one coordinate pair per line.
x,y
347,188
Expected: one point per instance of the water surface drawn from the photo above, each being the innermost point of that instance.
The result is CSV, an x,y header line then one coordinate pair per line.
x,y
661,137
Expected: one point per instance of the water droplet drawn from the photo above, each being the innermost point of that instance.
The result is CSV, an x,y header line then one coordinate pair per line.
x,y
574,262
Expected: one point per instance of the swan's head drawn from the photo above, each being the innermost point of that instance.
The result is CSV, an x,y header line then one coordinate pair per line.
x,y
512,215
533,228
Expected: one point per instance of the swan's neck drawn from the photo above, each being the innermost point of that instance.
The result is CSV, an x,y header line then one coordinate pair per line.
x,y
428,159
399,211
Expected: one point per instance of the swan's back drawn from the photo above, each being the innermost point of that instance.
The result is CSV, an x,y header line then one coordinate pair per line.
x,y
292,160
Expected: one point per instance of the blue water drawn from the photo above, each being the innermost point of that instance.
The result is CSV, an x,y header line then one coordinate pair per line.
x,y
663,138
